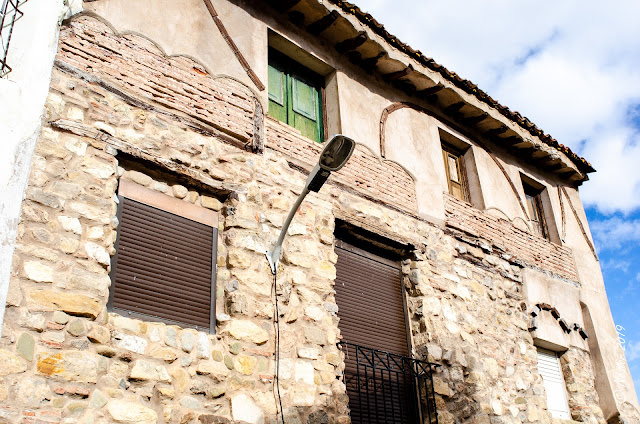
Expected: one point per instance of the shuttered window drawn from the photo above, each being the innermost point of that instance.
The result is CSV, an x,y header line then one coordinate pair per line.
x,y
164,267
454,168
536,213
369,297
549,368
295,96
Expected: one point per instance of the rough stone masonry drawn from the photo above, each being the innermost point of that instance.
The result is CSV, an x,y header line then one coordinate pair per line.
x,y
65,359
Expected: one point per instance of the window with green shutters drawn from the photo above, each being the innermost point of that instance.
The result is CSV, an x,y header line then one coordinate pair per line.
x,y
295,95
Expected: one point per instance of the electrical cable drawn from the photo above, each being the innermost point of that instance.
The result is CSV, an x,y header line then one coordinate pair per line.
x,y
277,322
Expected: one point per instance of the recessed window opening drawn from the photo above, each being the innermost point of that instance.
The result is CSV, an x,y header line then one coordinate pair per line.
x,y
384,383
533,201
164,267
551,373
461,172
455,170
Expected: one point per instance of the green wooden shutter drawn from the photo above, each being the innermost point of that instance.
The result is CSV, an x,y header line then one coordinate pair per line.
x,y
306,109
277,93
295,96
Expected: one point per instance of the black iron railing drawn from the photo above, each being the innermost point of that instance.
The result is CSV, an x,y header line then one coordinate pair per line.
x,y
9,14
388,388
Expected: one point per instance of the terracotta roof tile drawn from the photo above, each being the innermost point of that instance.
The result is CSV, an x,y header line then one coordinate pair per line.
x,y
461,83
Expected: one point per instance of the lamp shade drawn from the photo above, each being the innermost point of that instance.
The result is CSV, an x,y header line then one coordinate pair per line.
x,y
336,152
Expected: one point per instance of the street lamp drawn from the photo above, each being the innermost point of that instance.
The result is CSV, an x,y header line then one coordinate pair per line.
x,y
333,157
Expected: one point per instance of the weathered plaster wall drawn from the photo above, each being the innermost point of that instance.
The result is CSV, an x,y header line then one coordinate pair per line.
x,y
413,141
186,28
565,298
360,111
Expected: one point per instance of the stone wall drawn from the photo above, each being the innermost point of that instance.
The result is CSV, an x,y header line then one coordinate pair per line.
x,y
579,378
86,365
64,358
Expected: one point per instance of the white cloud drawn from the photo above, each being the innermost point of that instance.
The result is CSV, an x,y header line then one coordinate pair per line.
x,y
615,232
632,351
616,155
615,265
572,67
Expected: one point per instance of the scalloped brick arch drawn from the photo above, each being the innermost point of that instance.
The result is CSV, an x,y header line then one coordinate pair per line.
x,y
179,84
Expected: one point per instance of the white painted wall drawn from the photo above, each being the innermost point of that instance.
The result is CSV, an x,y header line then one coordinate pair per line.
x,y
22,96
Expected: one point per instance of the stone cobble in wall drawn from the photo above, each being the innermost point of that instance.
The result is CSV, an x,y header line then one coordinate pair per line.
x,y
578,376
468,314
60,341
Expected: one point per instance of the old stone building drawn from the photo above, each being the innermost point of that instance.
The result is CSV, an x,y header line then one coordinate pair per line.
x,y
448,267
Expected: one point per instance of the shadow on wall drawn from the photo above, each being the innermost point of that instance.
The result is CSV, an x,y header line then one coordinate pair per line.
x,y
605,392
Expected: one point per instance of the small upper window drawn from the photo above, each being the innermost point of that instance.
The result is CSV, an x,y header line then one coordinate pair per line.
x,y
534,207
295,95
454,167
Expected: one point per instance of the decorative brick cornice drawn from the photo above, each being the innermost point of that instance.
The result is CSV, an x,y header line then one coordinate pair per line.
x,y
566,327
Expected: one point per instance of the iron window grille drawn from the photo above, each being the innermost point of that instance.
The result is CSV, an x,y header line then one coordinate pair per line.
x,y
387,388
9,14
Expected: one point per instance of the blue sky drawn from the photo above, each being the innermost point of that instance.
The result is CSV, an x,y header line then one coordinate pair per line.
x,y
573,68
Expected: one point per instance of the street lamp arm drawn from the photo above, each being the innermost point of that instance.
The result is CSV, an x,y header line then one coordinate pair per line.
x,y
273,255
335,154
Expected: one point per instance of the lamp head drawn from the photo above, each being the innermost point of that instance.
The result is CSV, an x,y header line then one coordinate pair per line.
x,y
336,152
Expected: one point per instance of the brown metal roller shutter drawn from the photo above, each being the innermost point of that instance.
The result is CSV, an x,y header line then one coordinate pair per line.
x,y
371,311
369,298
163,265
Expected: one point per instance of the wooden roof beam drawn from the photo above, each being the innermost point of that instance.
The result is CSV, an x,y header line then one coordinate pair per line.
x,y
475,120
352,43
323,23
406,86
496,131
546,161
511,141
283,5
399,74
369,64
296,18
557,167
454,108
430,91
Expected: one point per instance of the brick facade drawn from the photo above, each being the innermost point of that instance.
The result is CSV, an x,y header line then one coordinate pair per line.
x,y
512,242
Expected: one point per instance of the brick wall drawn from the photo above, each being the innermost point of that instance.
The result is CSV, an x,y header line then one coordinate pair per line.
x,y
179,84
367,173
139,67
519,245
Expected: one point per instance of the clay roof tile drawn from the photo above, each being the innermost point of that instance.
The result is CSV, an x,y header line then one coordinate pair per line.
x,y
378,28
